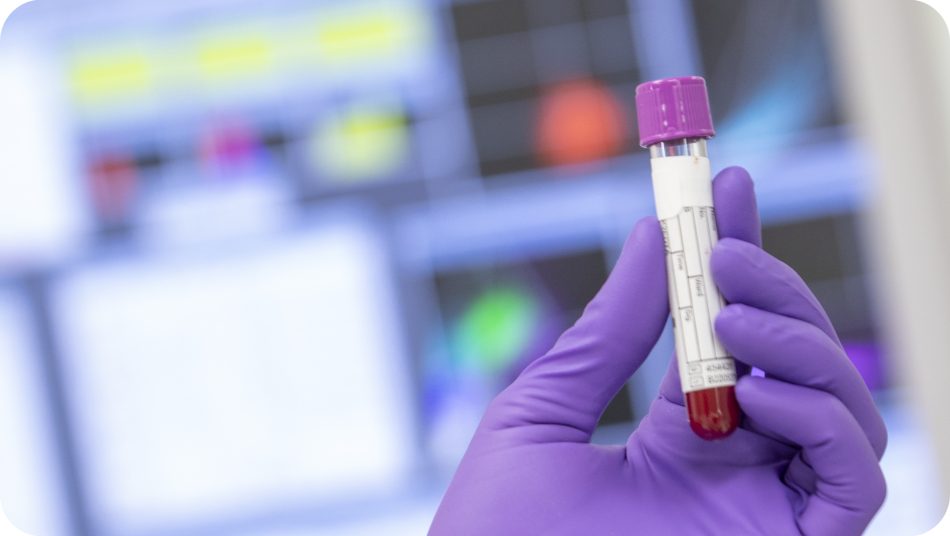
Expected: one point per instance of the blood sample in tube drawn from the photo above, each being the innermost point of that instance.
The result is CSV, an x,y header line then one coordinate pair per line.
x,y
675,122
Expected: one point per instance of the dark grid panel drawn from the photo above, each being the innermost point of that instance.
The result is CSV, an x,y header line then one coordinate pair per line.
x,y
512,51
826,253
763,52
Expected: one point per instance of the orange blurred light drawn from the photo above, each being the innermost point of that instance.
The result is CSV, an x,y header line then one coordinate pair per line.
x,y
579,121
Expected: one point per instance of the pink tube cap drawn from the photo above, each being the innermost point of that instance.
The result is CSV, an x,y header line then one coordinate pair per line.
x,y
673,109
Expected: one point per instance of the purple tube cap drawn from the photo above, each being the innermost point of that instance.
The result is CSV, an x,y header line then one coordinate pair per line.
x,y
673,109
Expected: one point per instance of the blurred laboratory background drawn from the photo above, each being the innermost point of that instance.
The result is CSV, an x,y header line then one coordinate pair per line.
x,y
263,264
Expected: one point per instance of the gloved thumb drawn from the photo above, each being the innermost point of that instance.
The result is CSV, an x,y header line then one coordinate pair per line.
x,y
560,396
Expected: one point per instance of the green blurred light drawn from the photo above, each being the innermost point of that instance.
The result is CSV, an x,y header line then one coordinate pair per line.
x,y
495,329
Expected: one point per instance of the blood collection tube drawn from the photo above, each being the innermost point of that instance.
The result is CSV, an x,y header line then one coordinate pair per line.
x,y
675,122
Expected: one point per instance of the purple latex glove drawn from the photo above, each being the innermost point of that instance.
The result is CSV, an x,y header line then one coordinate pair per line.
x,y
804,461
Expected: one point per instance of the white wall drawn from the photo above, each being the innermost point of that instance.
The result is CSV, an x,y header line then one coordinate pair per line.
x,y
894,63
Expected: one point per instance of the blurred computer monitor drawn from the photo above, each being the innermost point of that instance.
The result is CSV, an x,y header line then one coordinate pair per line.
x,y
266,379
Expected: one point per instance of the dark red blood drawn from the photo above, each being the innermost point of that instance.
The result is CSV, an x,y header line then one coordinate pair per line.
x,y
713,413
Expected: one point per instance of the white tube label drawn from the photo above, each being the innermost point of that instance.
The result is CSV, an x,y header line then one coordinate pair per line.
x,y
682,187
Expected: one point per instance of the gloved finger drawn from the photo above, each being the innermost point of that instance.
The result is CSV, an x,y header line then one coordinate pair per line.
x,y
797,352
737,217
850,487
801,475
737,214
747,274
563,393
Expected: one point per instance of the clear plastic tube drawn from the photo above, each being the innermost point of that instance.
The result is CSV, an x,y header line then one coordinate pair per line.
x,y
683,190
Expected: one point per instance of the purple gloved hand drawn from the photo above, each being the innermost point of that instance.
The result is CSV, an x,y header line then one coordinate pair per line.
x,y
804,461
